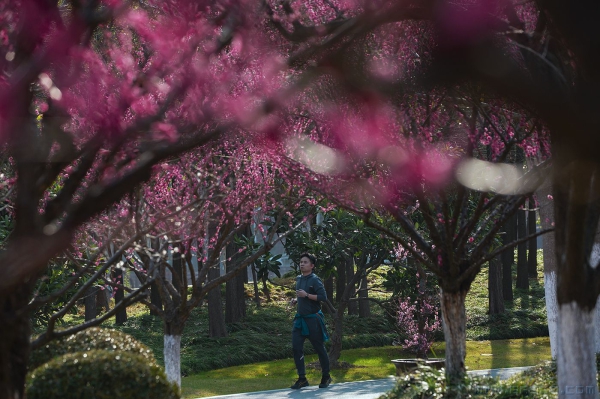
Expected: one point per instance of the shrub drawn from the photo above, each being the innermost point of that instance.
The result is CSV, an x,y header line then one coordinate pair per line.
x,y
539,382
418,320
100,374
430,383
87,340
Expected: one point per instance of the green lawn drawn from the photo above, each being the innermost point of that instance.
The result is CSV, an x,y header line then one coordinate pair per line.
x,y
367,363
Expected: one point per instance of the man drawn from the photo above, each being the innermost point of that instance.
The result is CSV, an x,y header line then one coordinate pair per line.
x,y
309,321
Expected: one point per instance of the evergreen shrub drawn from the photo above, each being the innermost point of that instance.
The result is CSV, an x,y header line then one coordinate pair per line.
x,y
100,374
431,384
87,340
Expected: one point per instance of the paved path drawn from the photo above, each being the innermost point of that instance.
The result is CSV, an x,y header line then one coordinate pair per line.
x,y
370,389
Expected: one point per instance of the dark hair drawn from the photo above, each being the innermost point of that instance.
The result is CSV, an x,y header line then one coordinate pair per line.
x,y
310,257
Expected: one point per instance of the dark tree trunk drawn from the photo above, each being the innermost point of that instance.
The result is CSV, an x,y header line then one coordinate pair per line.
x,y
101,301
15,331
496,302
179,274
155,299
522,273
328,283
352,305
91,311
235,293
340,281
255,285
364,305
508,258
532,228
150,266
266,291
454,323
121,315
338,322
216,321
335,350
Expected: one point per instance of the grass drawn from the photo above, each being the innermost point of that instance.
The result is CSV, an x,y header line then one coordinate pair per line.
x,y
525,316
369,363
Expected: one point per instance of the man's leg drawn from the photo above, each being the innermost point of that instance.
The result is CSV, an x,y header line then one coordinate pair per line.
x,y
298,349
316,339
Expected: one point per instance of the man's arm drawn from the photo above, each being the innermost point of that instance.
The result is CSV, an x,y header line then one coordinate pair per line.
x,y
321,294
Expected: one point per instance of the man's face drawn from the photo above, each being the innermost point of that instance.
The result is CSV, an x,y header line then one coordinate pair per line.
x,y
305,264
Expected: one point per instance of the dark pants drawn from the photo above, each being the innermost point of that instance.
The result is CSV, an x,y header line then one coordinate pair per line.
x,y
316,339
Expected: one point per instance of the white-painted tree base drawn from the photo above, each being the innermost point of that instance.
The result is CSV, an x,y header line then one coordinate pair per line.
x,y
594,260
576,361
551,310
172,354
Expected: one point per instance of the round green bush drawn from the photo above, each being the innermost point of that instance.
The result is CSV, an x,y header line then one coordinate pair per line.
x,y
87,340
100,374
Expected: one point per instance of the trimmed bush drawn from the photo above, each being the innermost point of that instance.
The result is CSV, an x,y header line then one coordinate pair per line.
x,y
87,340
100,374
431,384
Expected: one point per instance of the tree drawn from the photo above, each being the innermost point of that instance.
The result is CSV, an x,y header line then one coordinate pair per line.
x,y
522,265
235,291
94,94
508,257
367,61
496,301
532,245
455,229
233,188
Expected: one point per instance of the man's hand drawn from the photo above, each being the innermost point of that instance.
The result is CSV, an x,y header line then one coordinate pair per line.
x,y
301,294
293,302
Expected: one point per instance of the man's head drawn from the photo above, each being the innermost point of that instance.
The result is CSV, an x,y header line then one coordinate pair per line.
x,y
307,263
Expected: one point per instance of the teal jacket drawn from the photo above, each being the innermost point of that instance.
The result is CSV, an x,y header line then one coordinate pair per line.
x,y
300,323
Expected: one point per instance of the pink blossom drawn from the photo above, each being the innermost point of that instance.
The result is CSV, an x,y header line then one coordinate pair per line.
x,y
165,131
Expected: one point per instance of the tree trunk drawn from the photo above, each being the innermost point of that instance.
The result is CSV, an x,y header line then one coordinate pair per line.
x,y
91,311
101,300
14,344
335,349
550,266
328,283
255,285
150,267
364,305
121,315
179,272
532,244
576,363
235,294
216,321
594,259
496,302
155,299
265,290
522,272
454,322
172,351
508,258
576,200
352,305
340,281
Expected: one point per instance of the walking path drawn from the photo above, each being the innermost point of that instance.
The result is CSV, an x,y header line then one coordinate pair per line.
x,y
370,389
